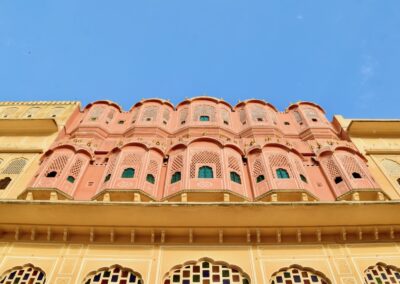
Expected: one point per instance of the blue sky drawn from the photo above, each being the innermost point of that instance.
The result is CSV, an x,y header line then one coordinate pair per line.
x,y
341,54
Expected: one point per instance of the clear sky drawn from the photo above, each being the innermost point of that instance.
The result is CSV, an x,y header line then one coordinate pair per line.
x,y
341,54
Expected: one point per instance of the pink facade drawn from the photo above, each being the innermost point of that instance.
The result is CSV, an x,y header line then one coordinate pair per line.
x,y
204,150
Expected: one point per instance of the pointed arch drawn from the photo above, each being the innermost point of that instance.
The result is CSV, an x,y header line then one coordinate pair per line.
x,y
113,274
206,269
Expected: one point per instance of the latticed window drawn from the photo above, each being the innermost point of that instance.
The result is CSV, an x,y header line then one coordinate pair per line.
x,y
15,167
150,178
57,165
114,274
205,172
183,114
204,118
297,116
311,114
282,173
260,178
128,173
150,113
382,274
225,116
27,274
298,274
176,177
235,177
96,113
206,271
71,179
204,110
303,178
351,165
258,113
206,157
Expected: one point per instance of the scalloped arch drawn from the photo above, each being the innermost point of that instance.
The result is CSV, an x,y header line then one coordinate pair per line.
x,y
154,100
374,273
72,147
323,279
285,147
206,98
28,271
198,267
292,106
262,102
105,102
118,272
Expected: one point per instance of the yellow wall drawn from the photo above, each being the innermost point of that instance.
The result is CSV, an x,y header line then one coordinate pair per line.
x,y
26,134
378,146
70,263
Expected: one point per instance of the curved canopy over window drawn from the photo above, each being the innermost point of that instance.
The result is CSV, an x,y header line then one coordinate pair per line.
x,y
114,274
176,177
282,173
24,274
206,271
205,172
128,173
235,177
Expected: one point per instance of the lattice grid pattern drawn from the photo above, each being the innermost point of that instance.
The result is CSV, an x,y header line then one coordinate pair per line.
x,y
177,164
391,167
76,168
183,114
258,113
206,272
258,168
132,159
152,168
332,168
111,164
295,275
205,157
204,110
311,113
150,113
242,116
166,114
115,275
24,275
110,115
15,167
96,112
225,115
297,116
233,163
351,165
57,164
278,161
382,274
299,167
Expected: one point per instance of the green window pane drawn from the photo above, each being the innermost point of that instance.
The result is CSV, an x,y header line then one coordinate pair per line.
x,y
150,178
282,173
206,172
235,177
204,118
176,177
71,179
128,173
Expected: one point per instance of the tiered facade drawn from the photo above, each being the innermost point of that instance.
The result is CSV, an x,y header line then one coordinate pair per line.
x,y
201,192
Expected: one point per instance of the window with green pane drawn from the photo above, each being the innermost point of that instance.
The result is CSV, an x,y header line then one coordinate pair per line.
x,y
282,173
128,173
204,118
71,179
235,177
176,177
206,172
150,178
260,178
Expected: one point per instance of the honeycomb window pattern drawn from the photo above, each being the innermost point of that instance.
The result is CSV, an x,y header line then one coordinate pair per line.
x,y
206,272
382,274
24,275
114,274
295,275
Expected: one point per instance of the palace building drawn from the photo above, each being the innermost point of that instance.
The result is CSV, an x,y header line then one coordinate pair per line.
x,y
198,193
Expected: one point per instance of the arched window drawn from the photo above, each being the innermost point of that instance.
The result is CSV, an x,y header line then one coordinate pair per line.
x,y
204,118
206,172
297,274
176,177
24,274
150,178
206,271
71,179
382,274
356,175
260,178
235,177
15,167
107,178
303,178
4,182
338,180
51,174
128,173
282,173
114,274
